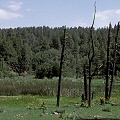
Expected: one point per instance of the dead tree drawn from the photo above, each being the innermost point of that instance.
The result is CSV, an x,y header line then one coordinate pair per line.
x,y
114,61
61,68
85,83
85,80
91,55
108,65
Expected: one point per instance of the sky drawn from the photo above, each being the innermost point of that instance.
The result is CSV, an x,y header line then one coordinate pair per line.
x,y
57,13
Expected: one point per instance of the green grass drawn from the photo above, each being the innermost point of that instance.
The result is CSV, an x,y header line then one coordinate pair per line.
x,y
71,87
30,108
29,94
43,87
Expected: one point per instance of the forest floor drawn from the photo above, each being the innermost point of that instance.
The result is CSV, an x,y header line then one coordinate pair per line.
x,y
30,107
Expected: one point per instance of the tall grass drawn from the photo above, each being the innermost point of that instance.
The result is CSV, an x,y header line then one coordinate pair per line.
x,y
48,87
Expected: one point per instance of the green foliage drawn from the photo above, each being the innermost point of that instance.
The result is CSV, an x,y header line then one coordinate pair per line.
x,y
5,70
117,79
48,70
31,48
41,72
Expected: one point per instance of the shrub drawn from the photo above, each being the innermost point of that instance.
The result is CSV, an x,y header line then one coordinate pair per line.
x,y
6,70
47,70
40,73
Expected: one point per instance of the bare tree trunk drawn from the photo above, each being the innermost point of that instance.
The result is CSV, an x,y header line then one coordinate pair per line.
x,y
89,97
61,69
108,65
114,62
85,83
91,55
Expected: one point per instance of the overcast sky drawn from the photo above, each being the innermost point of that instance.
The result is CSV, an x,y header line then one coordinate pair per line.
x,y
57,13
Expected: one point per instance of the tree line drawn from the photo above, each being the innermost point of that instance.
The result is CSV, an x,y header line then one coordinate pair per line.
x,y
37,51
